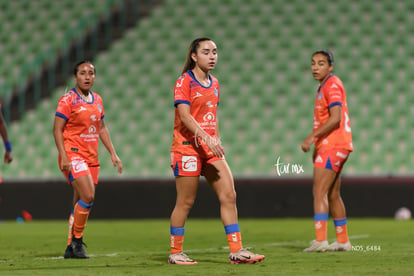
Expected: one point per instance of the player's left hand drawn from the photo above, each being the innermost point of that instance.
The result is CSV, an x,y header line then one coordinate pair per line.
x,y
8,157
117,163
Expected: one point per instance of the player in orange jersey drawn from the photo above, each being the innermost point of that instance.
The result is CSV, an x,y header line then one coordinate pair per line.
x,y
332,138
196,150
7,144
79,124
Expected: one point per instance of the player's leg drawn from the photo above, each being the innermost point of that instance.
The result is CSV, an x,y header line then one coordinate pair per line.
x,y
338,212
186,187
85,188
69,251
219,177
323,180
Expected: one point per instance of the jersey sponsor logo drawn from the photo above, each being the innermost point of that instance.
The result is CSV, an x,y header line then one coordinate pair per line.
x,y
209,116
93,118
92,129
189,163
91,136
79,166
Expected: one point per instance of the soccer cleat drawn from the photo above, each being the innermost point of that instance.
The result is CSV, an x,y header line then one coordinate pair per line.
x,y
316,246
244,256
337,246
78,248
68,252
181,259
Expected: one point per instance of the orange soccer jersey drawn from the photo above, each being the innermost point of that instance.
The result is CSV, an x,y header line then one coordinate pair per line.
x,y
203,102
81,132
332,93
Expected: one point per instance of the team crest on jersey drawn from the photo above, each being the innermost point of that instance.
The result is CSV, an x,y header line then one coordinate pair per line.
x,y
100,108
215,91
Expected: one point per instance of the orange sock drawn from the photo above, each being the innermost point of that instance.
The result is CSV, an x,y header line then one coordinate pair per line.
x,y
234,241
233,237
321,226
176,239
341,230
70,232
176,244
81,214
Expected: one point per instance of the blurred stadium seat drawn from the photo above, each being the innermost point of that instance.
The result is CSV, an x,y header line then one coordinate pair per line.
x,y
267,91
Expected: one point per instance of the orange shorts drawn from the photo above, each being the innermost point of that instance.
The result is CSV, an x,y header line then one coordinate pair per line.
x,y
189,165
333,159
80,168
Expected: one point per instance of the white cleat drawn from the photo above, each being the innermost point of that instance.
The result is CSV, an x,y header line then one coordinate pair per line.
x,y
336,246
316,246
181,259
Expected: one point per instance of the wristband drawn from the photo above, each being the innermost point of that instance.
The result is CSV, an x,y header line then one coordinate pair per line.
x,y
8,146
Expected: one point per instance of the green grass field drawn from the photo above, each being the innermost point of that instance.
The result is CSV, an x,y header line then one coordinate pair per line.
x,y
141,247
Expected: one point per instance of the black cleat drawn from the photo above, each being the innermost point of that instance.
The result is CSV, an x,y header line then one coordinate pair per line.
x,y
78,248
68,252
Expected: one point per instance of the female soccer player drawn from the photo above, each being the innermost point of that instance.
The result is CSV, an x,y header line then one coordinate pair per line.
x,y
332,138
79,124
196,150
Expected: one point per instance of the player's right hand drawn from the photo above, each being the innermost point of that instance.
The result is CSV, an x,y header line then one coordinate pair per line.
x,y
65,164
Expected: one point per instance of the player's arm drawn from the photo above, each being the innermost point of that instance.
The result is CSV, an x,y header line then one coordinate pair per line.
x,y
58,126
106,140
188,120
333,122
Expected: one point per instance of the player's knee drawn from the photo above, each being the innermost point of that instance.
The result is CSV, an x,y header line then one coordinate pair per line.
x,y
333,196
89,198
187,203
319,192
228,197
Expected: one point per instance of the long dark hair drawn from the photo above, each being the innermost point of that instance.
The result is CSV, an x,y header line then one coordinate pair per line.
x,y
189,62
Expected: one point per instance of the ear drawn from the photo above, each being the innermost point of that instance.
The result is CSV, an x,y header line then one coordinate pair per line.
x,y
194,57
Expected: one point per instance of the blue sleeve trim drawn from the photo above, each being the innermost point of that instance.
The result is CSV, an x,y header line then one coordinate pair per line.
x,y
335,103
177,231
232,228
181,102
61,115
